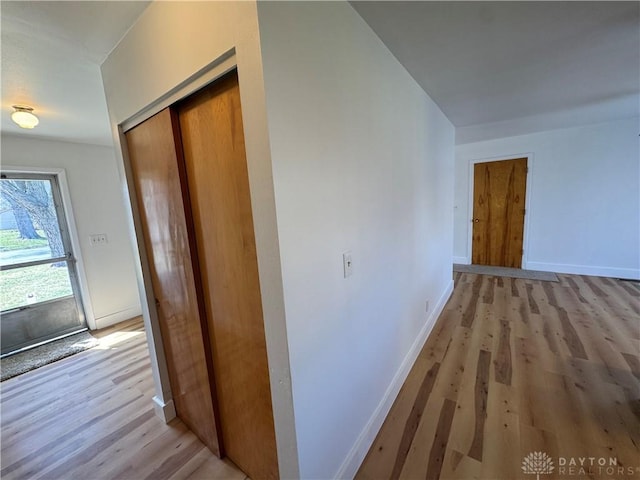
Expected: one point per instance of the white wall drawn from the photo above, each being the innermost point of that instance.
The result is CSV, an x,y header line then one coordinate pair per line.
x,y
584,211
362,161
171,46
94,188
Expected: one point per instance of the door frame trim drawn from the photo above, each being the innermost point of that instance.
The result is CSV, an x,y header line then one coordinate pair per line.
x,y
206,75
67,207
527,202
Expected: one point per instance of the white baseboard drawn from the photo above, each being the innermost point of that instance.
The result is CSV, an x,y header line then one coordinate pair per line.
x,y
164,410
118,317
629,273
461,260
356,455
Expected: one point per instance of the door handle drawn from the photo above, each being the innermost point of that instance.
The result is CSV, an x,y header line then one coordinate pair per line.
x,y
475,220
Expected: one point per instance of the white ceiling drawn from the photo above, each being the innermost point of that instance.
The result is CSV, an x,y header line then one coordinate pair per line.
x,y
495,68
51,56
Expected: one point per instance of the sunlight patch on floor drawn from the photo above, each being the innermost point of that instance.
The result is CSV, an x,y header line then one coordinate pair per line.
x,y
113,340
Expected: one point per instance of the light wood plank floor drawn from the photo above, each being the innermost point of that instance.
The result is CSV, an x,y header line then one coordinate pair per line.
x,y
91,417
515,366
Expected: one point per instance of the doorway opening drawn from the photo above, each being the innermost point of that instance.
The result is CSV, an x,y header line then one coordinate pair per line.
x,y
40,296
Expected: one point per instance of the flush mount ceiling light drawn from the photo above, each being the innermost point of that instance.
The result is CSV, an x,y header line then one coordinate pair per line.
x,y
24,116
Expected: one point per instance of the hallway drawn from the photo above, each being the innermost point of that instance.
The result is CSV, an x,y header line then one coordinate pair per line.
x,y
517,366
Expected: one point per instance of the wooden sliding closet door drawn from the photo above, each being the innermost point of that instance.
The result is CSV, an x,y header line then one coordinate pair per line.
x,y
154,149
214,154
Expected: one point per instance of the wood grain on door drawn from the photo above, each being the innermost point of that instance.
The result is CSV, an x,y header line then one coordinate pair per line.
x,y
214,154
498,212
155,151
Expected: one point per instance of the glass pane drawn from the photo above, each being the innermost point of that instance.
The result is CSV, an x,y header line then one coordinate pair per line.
x,y
29,227
29,285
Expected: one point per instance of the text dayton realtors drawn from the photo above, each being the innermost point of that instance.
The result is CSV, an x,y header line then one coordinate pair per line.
x,y
593,466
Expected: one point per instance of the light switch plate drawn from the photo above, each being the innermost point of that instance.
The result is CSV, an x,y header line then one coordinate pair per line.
x,y
347,263
98,239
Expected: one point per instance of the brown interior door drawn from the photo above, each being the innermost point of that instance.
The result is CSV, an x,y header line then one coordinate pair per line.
x,y
498,212
154,150
214,155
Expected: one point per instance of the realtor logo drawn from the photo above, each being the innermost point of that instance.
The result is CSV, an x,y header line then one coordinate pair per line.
x,y
537,463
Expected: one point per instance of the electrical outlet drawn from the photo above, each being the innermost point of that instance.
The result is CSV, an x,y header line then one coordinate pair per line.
x,y
426,306
98,239
347,264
